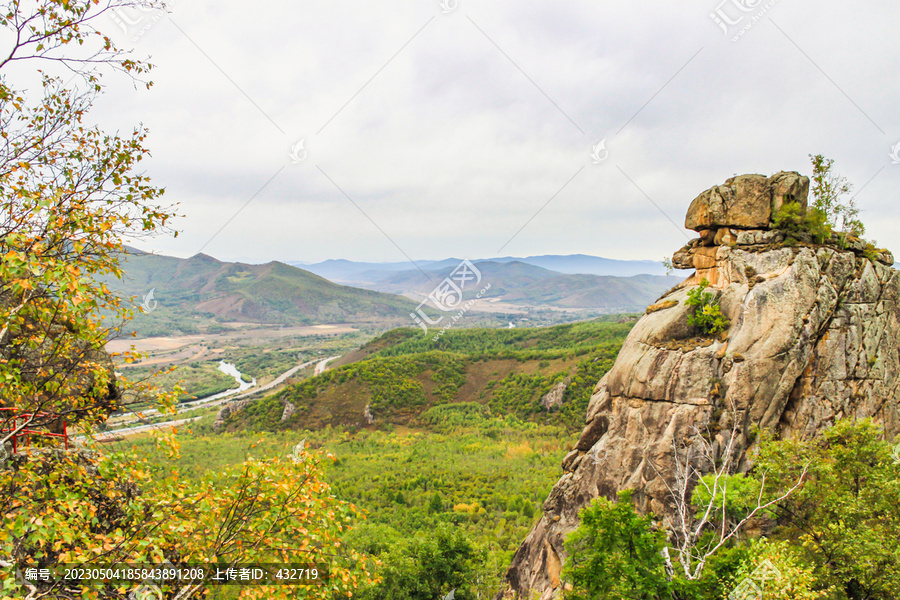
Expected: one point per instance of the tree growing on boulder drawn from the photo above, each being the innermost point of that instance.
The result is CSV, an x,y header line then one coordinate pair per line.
x,y
829,214
794,220
829,190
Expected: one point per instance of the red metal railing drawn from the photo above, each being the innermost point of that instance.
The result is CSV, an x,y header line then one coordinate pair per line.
x,y
10,424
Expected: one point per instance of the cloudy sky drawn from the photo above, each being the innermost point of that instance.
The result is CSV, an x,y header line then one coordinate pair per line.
x,y
466,129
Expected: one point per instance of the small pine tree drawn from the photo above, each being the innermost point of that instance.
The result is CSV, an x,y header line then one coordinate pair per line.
x,y
435,505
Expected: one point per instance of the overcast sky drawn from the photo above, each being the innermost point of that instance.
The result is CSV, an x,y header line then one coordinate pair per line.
x,y
466,129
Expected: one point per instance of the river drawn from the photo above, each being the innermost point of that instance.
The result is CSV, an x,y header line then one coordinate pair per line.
x,y
230,370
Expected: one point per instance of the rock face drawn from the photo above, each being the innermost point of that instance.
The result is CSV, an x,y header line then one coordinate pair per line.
x,y
234,406
814,336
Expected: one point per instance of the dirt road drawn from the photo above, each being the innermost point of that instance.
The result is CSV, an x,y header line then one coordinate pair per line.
x,y
126,431
320,368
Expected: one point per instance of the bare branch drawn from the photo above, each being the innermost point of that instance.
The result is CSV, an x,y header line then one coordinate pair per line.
x,y
699,460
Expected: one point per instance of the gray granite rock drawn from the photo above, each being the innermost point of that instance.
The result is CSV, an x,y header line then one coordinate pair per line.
x,y
814,336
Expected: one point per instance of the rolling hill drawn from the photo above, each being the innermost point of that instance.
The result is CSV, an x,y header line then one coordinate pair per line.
x,y
197,291
403,378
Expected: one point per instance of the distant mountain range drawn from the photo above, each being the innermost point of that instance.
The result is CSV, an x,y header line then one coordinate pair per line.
x,y
528,285
198,294
186,291
356,273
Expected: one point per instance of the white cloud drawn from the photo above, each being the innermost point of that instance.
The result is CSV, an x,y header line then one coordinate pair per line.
x,y
450,148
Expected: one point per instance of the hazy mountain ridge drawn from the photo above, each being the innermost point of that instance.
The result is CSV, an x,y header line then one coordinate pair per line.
x,y
191,295
528,285
348,271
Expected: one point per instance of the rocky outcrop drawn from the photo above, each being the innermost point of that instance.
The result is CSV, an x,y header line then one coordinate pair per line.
x,y
814,336
230,407
553,399
367,415
288,412
746,201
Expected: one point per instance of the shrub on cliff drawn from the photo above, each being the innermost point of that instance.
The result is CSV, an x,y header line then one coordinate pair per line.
x,y
796,221
829,212
706,316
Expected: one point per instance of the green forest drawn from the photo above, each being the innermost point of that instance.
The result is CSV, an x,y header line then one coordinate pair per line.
x,y
403,374
468,479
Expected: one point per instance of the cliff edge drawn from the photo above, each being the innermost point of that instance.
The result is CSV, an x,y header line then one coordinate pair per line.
x,y
814,336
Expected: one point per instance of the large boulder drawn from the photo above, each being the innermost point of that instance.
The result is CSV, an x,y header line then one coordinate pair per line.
x,y
746,201
788,186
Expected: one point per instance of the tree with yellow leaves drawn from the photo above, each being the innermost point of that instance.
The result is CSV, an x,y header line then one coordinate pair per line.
x,y
72,195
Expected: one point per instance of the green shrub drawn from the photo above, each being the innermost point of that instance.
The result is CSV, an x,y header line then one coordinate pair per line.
x,y
845,519
429,566
706,316
787,575
614,554
794,219
871,252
